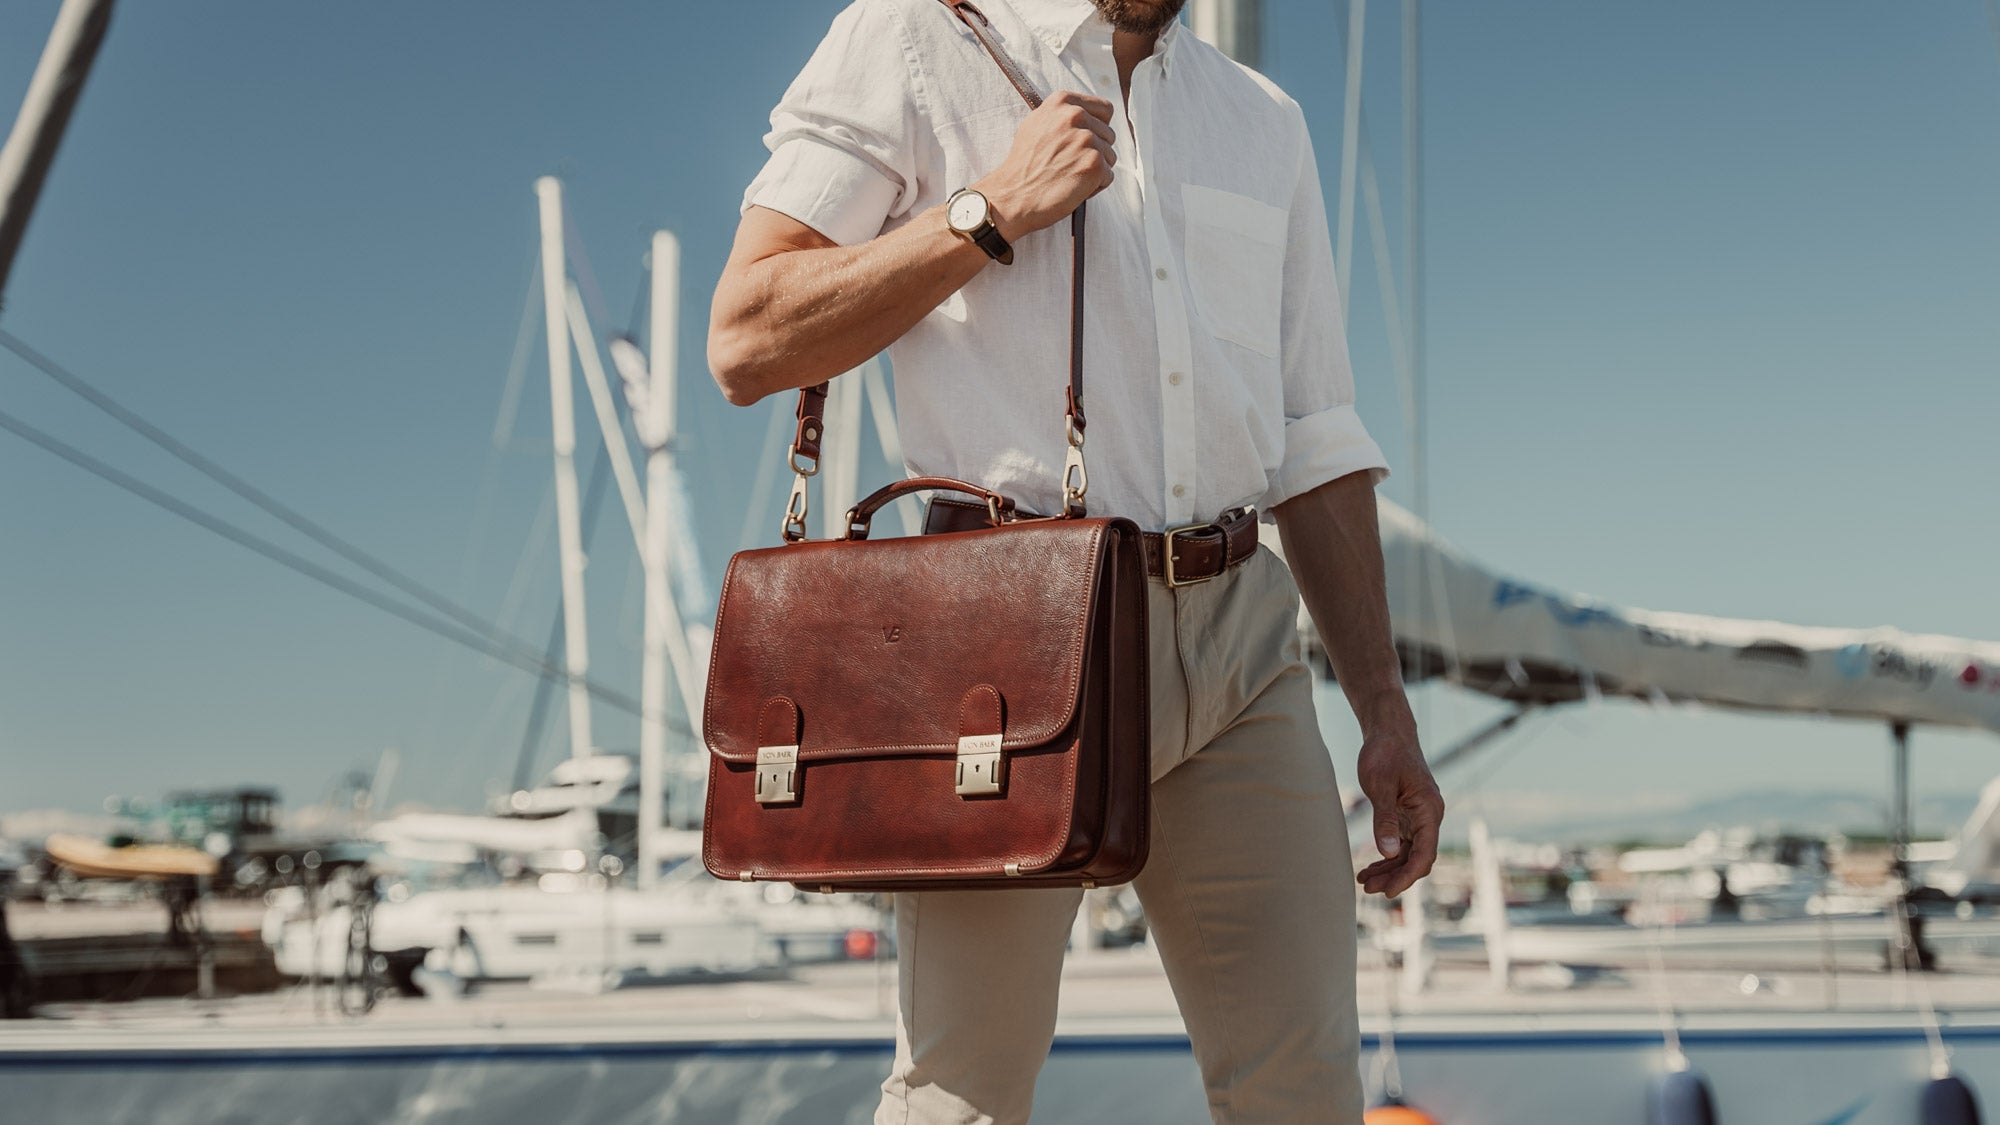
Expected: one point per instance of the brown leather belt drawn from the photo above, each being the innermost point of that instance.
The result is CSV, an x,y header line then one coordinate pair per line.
x,y
1183,555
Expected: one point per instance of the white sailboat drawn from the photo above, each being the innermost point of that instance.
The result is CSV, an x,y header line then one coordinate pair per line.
x,y
572,918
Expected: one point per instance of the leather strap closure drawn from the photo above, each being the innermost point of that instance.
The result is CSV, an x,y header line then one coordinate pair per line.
x,y
812,427
1196,553
778,723
981,711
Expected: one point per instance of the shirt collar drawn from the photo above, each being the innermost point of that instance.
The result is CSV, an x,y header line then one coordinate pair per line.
x,y
1056,22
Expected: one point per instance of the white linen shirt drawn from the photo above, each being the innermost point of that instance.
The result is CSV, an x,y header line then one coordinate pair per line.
x,y
1215,363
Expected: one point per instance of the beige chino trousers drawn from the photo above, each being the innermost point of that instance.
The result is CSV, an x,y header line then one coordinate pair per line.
x,y
1248,891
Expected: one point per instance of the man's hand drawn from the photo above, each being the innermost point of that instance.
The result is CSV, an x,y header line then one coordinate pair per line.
x,y
1408,808
794,308
1334,547
1061,156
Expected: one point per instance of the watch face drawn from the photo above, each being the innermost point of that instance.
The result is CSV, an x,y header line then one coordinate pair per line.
x,y
967,211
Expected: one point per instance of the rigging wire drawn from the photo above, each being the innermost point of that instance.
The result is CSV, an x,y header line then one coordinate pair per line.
x,y
478,640
1426,574
581,271
517,362
486,495
1903,948
475,739
292,517
1388,1066
1471,790
771,455
538,708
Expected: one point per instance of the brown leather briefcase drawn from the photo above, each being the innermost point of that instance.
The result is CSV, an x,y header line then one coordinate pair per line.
x,y
958,710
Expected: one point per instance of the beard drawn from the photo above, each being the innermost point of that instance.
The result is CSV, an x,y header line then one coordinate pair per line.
x,y
1140,17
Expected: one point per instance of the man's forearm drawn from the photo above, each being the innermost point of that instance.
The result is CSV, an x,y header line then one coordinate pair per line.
x,y
1334,546
801,316
793,308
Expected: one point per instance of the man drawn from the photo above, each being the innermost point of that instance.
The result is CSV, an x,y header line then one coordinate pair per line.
x,y
1217,379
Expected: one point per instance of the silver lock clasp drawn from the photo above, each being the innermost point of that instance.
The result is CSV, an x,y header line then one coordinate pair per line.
x,y
777,775
982,771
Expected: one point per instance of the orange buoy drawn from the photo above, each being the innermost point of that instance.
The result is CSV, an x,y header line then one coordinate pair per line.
x,y
1396,1115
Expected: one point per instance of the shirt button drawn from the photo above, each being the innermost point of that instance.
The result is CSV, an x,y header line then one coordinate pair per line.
x,y
1180,490
1175,378
1161,273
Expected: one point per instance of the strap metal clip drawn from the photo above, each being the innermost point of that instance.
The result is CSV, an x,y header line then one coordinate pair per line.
x,y
796,509
1075,478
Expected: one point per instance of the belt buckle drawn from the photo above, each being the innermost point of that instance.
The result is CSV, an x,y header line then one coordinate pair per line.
x,y
1174,581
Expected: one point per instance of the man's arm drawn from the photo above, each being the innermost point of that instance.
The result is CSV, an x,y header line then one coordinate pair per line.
x,y
794,308
1334,546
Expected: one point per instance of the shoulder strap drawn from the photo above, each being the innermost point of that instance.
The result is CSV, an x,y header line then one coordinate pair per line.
x,y
981,28
812,400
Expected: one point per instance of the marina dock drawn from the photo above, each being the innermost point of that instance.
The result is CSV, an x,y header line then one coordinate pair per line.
x,y
122,951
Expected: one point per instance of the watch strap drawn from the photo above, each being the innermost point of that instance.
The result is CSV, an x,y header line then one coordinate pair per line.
x,y
988,238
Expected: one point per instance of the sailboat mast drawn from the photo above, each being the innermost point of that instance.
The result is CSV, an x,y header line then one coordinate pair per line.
x,y
840,453
656,431
1234,26
52,93
562,412
1350,157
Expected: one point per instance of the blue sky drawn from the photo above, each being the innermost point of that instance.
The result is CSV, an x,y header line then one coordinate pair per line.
x,y
1714,326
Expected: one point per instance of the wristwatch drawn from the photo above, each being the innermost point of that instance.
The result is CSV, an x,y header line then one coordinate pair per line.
x,y
970,217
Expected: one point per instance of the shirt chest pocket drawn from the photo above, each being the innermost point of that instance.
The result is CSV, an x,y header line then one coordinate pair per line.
x,y
1235,264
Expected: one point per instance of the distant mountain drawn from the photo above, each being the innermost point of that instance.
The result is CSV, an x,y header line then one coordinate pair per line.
x,y
1668,818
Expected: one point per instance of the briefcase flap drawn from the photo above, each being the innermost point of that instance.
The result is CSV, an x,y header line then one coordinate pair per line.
x,y
877,642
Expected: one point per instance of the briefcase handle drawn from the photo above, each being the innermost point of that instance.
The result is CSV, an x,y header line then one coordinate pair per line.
x,y
999,509
804,457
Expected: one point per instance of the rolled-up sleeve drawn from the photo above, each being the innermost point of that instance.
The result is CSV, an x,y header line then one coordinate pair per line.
x,y
1324,437
848,137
